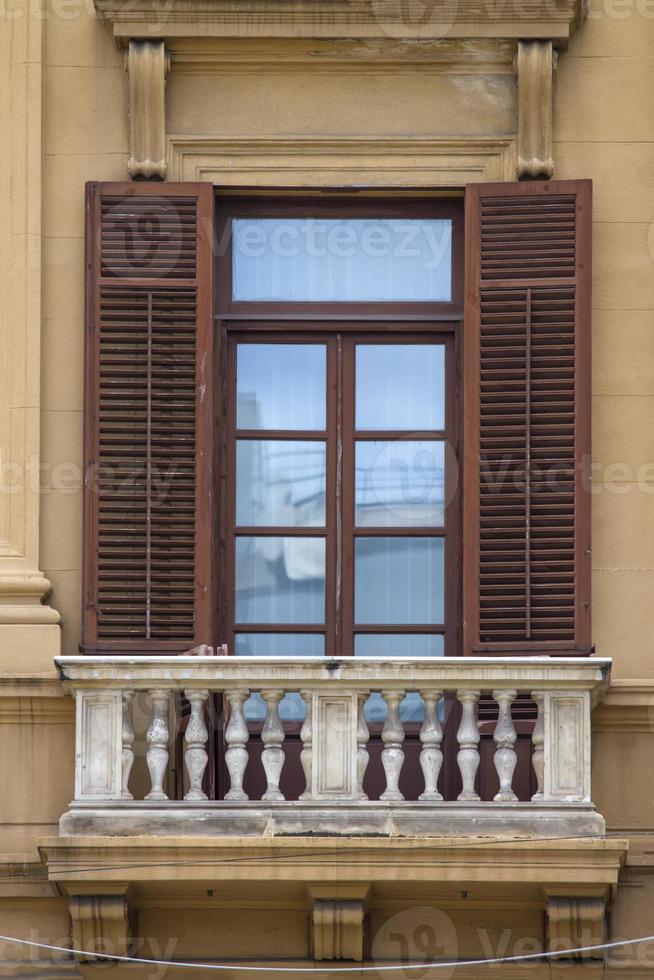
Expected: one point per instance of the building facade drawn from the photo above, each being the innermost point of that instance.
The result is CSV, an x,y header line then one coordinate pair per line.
x,y
326,347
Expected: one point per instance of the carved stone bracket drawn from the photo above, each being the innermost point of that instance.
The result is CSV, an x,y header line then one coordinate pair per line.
x,y
535,66
575,921
147,64
101,923
338,921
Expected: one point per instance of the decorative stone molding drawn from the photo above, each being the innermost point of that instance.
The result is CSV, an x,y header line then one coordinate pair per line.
x,y
629,707
147,65
576,920
535,65
323,161
365,19
338,921
218,56
556,864
100,923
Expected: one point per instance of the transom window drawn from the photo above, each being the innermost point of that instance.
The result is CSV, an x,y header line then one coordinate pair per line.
x,y
340,515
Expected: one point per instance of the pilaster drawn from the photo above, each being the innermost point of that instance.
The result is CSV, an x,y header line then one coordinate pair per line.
x,y
22,586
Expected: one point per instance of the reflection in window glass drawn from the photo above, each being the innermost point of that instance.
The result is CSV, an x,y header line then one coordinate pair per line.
x,y
279,645
280,482
291,708
280,580
281,386
412,709
399,645
400,386
399,580
399,484
342,260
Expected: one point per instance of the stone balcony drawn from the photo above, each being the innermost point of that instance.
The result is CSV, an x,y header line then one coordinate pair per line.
x,y
426,717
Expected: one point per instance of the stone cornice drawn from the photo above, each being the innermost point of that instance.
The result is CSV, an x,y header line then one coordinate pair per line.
x,y
547,19
628,707
374,56
443,860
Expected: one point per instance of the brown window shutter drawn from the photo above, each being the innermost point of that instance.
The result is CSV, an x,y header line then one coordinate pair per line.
x,y
526,564
148,511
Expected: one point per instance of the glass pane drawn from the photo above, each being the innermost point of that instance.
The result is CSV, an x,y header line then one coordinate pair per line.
x,y
280,580
281,386
411,708
342,259
400,386
279,645
399,580
291,708
399,645
400,484
280,482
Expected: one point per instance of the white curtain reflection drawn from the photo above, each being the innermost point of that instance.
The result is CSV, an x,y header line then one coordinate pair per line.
x,y
342,259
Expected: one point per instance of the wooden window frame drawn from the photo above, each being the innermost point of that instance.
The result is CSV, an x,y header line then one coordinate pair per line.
x,y
336,323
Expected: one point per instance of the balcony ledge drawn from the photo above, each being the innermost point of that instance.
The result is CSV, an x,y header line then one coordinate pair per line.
x,y
375,818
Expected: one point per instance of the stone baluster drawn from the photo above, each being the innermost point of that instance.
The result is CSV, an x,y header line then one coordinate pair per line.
x,y
504,737
195,737
468,739
363,736
236,736
272,736
158,737
128,744
431,736
306,755
393,753
538,742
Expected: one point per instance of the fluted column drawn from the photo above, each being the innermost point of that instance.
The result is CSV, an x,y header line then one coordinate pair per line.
x,y
431,736
393,753
468,739
236,736
195,737
505,737
272,737
158,737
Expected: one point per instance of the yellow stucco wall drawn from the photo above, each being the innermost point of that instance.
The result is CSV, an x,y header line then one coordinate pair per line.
x,y
604,129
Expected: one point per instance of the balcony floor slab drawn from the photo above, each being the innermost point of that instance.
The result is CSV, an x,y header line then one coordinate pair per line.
x,y
347,818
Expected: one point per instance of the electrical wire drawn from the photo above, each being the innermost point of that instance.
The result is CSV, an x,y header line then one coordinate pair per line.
x,y
441,965
304,853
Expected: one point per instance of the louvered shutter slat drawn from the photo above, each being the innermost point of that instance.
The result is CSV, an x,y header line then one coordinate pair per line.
x,y
148,418
527,364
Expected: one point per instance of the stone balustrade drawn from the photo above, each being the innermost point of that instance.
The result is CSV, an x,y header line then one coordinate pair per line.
x,y
335,736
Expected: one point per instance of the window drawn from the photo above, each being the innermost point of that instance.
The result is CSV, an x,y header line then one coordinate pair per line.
x,y
338,516
341,508
320,453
